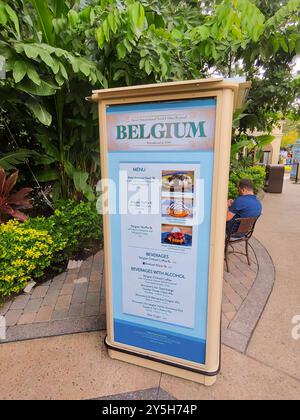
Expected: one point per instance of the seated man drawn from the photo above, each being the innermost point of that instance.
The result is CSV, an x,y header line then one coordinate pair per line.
x,y
245,206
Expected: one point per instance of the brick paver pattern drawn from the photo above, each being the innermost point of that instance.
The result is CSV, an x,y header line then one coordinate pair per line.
x,y
80,293
73,294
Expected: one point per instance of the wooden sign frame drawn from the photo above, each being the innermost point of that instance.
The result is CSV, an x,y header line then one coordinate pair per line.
x,y
228,97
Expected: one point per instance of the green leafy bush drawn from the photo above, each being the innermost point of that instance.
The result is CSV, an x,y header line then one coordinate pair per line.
x,y
28,249
257,175
71,225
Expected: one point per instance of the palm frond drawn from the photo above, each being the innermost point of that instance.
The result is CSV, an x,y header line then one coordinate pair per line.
x,y
11,160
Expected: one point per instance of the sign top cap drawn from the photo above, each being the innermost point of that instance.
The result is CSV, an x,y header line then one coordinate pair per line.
x,y
178,87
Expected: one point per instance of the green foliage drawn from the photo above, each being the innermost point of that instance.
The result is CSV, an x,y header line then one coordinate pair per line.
x,y
56,51
71,225
28,249
257,174
24,255
49,79
248,149
257,39
11,160
8,15
233,26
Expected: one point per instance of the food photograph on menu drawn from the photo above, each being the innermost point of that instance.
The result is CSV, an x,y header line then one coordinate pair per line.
x,y
178,181
177,207
177,235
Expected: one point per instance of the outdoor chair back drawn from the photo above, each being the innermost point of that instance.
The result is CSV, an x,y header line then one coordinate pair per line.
x,y
241,230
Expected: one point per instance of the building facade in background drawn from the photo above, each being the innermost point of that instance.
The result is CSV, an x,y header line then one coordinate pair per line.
x,y
271,152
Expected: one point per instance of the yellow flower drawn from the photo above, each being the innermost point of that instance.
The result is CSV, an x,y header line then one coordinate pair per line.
x,y
19,248
19,262
29,253
8,278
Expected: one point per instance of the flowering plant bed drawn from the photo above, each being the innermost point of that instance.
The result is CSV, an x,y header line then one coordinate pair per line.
x,y
40,246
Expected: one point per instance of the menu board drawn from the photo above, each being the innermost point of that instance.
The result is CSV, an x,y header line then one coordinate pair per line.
x,y
160,161
159,247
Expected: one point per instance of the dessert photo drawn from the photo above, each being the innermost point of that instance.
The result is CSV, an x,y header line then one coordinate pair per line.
x,y
177,235
179,208
178,181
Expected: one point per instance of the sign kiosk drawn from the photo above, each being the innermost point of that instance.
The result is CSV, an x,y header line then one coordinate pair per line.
x,y
165,153
295,175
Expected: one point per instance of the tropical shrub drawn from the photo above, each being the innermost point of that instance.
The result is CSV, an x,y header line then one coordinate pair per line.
x,y
28,249
56,51
247,149
48,75
55,56
12,203
257,174
71,226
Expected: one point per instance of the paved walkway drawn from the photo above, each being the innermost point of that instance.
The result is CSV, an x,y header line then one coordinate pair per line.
x,y
268,366
74,302
272,343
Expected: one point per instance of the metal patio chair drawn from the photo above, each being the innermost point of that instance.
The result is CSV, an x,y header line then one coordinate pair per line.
x,y
241,230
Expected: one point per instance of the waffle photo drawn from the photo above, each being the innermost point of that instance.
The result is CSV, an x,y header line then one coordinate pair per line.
x,y
177,235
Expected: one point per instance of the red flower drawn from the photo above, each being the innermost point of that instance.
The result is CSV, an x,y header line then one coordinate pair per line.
x,y
11,204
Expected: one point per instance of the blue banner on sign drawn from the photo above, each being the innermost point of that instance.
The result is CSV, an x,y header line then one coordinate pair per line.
x,y
160,341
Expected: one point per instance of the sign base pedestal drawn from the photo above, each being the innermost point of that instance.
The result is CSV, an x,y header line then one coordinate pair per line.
x,y
208,379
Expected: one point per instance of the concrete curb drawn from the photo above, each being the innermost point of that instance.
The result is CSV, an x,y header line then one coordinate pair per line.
x,y
55,328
